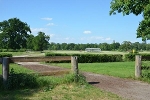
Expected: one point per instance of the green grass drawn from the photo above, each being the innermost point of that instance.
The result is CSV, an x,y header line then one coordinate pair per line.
x,y
117,69
83,52
59,88
56,88
17,68
61,92
28,53
64,89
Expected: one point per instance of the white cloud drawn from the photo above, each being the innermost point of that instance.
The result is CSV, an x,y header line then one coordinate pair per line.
x,y
47,18
36,30
67,38
50,24
108,39
95,38
87,32
52,35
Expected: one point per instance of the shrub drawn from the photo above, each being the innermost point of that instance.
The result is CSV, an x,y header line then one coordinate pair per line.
x,y
4,50
21,80
5,55
131,57
91,58
146,74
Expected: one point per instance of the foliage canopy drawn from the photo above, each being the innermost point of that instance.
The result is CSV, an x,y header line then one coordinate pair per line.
x,y
13,33
135,7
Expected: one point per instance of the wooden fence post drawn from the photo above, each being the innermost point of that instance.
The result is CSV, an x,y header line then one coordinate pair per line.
x,y
138,71
74,65
5,67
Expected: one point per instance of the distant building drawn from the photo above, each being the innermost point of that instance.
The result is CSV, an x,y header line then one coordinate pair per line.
x,y
93,50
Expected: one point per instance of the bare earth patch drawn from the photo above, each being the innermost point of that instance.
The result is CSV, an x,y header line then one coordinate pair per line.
x,y
126,88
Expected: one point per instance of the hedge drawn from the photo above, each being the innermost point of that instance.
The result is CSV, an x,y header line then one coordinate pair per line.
x,y
131,57
12,50
5,55
91,58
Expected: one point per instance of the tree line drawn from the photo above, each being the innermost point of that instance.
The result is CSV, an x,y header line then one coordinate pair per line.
x,y
15,34
124,46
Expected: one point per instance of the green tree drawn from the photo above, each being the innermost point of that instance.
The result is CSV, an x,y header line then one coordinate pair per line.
x,y
14,33
136,7
126,46
30,41
105,46
40,42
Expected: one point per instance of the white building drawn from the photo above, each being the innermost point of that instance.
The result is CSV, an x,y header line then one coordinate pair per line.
x,y
93,50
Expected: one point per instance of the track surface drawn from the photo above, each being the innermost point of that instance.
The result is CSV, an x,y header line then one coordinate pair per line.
x,y
126,88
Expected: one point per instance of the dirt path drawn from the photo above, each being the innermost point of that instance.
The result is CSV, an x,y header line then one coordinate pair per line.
x,y
126,88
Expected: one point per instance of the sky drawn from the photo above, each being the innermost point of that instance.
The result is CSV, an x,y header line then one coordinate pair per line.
x,y
73,21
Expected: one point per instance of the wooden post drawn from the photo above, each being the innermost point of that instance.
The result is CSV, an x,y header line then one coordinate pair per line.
x,y
5,67
74,65
138,71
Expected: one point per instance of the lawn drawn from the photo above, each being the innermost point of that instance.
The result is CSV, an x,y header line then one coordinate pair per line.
x,y
17,68
28,53
58,88
83,52
60,92
117,69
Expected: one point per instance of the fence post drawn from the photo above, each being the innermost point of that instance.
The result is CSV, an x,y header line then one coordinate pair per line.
x,y
138,71
5,67
74,64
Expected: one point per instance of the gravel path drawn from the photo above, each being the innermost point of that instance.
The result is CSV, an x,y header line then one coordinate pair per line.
x,y
126,88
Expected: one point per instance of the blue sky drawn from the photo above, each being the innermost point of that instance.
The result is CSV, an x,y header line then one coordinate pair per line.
x,y
73,21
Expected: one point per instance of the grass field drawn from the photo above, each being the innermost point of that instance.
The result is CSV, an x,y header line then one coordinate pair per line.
x,y
83,52
60,92
70,91
17,68
63,89
117,69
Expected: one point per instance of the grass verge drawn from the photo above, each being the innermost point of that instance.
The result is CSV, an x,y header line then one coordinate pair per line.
x,y
18,68
59,88
117,69
55,88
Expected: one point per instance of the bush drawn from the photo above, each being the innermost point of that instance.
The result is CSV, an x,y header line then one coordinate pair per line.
x,y
12,50
91,58
21,80
146,74
131,57
5,55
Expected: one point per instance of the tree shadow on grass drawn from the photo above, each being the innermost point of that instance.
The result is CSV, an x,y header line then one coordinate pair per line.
x,y
17,94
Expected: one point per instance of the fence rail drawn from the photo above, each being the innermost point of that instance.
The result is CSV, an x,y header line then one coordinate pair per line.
x,y
138,64
39,59
6,60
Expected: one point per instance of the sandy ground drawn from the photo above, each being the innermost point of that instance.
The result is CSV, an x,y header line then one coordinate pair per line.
x,y
126,88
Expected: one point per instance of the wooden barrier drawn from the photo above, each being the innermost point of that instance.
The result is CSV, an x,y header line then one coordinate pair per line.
x,y
5,68
39,59
6,60
74,65
138,63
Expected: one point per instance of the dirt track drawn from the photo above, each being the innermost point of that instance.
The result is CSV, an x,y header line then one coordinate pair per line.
x,y
126,88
